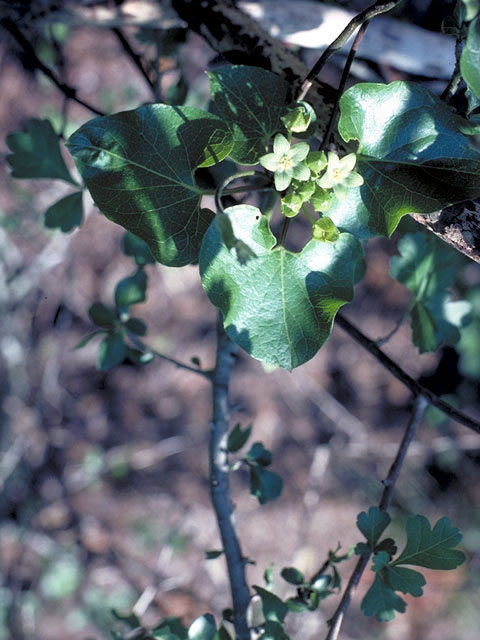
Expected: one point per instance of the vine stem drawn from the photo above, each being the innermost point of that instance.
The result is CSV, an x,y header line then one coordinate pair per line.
x,y
456,78
374,10
389,483
134,56
68,91
415,387
220,484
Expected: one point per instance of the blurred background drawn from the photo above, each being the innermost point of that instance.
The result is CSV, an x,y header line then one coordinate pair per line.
x,y
104,499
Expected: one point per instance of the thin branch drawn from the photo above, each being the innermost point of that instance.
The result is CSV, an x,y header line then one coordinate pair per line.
x,y
181,365
343,81
236,176
389,483
366,15
415,387
134,56
456,78
219,481
68,91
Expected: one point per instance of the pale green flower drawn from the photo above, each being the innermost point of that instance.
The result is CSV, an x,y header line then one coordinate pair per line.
x,y
340,175
286,162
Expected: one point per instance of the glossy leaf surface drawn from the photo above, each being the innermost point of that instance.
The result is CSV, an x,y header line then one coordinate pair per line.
x,y
252,101
139,167
279,306
66,213
410,153
470,59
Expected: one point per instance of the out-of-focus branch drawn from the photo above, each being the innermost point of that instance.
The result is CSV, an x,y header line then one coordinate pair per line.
x,y
68,91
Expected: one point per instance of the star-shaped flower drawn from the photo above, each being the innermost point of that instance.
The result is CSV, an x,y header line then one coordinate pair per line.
x,y
340,175
286,162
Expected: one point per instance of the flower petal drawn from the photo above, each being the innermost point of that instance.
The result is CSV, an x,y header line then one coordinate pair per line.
x,y
348,162
270,161
282,180
333,161
353,180
281,145
299,151
326,181
300,172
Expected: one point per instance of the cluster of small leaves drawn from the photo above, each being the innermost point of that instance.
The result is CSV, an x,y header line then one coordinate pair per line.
x,y
427,547
116,323
36,153
427,266
265,485
171,628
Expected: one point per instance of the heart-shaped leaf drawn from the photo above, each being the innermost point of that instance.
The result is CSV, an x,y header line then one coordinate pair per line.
x,y
411,155
139,166
373,524
280,305
252,101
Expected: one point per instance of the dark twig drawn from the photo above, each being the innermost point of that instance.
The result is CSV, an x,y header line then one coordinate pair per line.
x,y
343,81
415,387
181,365
134,56
219,481
375,10
389,483
68,91
456,78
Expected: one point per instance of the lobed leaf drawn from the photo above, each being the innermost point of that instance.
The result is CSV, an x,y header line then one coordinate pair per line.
x,y
431,548
252,101
66,213
382,602
36,153
372,525
410,153
139,167
280,305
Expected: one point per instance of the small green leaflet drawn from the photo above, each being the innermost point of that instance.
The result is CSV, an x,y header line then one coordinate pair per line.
x,y
425,547
411,155
274,609
372,525
280,305
131,290
238,437
252,101
470,59
139,166
427,267
431,548
66,213
203,628
36,153
137,248
265,485
111,352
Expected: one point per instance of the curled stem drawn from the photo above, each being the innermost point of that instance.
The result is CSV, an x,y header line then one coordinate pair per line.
x,y
222,187
374,10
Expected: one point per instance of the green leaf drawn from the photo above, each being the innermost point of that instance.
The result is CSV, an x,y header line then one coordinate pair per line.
x,y
223,634
252,101
131,290
213,554
471,9
273,607
268,576
279,306
411,155
139,357
36,153
405,580
174,626
130,619
265,485
139,167
470,59
427,266
137,248
273,631
102,316
292,575
382,602
380,561
112,351
373,524
431,548
295,605
238,437
203,628
65,214
136,326
260,455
